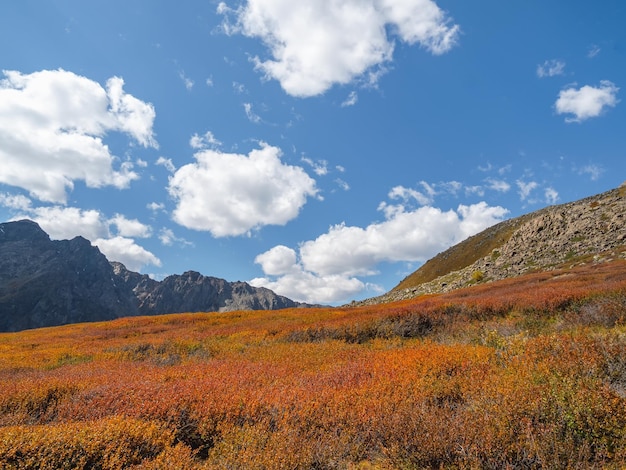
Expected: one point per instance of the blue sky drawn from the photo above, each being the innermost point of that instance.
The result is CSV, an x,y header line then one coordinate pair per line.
x,y
322,149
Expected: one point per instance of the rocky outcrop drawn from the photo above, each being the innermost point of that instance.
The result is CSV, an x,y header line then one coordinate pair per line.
x,y
591,230
46,283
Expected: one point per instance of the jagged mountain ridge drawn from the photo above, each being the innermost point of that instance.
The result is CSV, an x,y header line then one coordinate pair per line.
x,y
592,229
185,292
47,282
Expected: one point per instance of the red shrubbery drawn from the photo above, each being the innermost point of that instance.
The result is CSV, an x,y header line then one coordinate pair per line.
x,y
526,373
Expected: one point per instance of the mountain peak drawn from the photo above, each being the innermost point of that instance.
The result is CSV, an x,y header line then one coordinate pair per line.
x,y
22,230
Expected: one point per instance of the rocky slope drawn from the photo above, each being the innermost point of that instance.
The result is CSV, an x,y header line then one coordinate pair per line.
x,y
45,283
591,230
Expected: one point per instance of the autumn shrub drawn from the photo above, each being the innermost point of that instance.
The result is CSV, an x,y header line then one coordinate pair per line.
x,y
526,373
111,443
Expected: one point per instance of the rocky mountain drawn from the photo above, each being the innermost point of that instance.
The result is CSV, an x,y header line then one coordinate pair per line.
x,y
192,292
591,230
46,282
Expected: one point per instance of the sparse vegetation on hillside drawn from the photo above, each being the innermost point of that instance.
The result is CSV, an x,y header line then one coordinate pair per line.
x,y
523,373
590,230
463,254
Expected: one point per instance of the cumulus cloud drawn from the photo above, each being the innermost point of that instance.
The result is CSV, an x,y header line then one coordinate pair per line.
x,y
327,269
231,194
550,68
130,227
63,223
308,287
52,125
315,45
127,252
586,102
277,261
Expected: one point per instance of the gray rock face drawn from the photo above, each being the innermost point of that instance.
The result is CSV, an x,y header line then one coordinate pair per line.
x,y
46,283
193,292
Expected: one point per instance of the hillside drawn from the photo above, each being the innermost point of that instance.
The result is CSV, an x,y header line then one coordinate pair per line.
x,y
591,230
527,372
47,282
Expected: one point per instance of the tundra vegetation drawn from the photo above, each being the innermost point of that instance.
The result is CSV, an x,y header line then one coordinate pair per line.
x,y
520,373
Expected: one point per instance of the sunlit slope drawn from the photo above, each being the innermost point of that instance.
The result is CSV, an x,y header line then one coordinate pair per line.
x,y
566,235
525,372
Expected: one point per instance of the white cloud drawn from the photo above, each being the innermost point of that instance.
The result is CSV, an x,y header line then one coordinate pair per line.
x,y
320,167
130,227
231,194
15,201
587,101
167,238
209,82
130,115
207,140
277,261
593,51
252,116
308,287
406,194
63,223
550,68
351,100
594,171
477,189
405,236
239,88
52,125
166,163
342,184
188,82
525,188
156,206
326,269
500,186
127,252
552,196
315,45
